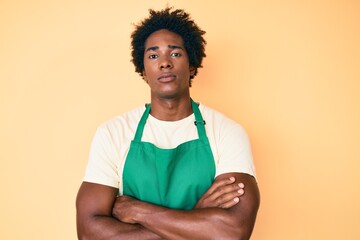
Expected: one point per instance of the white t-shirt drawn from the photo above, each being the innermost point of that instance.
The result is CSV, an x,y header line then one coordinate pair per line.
x,y
228,140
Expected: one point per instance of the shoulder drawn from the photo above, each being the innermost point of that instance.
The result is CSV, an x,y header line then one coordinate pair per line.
x,y
218,120
230,143
224,131
125,121
119,129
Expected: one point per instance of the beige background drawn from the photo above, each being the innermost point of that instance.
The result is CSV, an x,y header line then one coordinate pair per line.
x,y
288,71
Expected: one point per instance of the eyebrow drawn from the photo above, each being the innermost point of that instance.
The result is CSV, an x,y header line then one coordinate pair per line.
x,y
169,46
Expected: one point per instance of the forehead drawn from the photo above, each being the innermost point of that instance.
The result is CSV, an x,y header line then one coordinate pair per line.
x,y
163,36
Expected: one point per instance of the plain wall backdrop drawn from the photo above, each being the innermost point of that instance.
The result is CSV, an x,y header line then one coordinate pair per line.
x,y
288,71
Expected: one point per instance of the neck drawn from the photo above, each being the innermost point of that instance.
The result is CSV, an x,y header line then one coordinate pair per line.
x,y
171,109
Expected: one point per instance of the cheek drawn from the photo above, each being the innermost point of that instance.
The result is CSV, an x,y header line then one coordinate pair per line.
x,y
147,75
148,69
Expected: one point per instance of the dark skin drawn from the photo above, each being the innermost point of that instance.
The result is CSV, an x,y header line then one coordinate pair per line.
x,y
223,212
95,204
201,223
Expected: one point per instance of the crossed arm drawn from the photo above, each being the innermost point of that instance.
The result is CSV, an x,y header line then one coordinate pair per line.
x,y
223,212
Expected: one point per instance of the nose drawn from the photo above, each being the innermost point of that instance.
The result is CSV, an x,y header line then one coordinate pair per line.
x,y
166,63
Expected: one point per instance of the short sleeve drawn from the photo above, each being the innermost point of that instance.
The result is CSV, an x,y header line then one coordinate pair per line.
x,y
235,151
102,167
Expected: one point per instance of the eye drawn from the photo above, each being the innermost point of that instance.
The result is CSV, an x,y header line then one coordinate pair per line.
x,y
175,54
153,56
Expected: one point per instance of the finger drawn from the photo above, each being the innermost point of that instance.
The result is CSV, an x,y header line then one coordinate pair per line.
x,y
226,197
219,183
226,192
230,203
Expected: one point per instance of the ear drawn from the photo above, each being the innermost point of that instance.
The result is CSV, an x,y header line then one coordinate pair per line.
x,y
192,71
143,74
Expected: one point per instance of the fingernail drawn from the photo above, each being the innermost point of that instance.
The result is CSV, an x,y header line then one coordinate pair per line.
x,y
232,179
241,185
241,191
236,199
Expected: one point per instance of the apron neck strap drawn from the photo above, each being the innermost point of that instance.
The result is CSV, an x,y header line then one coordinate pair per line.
x,y
199,122
141,125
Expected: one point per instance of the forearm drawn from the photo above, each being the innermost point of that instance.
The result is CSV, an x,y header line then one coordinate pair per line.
x,y
206,222
94,204
210,223
109,228
236,222
202,223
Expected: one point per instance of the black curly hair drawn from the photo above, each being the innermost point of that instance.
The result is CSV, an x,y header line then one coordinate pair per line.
x,y
177,21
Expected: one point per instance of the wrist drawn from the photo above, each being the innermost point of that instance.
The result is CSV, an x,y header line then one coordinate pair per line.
x,y
146,212
141,210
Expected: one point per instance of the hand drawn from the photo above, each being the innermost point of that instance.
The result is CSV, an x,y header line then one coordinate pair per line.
x,y
223,193
124,208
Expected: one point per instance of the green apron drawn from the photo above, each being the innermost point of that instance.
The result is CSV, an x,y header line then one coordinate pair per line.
x,y
174,178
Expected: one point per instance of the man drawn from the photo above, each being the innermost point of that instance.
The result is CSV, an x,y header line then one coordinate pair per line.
x,y
172,169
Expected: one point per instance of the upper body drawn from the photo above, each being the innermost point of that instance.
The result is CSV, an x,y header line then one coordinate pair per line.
x,y
168,62
228,140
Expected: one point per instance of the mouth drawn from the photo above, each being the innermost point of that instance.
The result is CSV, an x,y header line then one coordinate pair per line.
x,y
166,77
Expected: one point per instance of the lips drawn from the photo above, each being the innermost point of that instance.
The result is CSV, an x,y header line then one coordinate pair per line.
x,y
166,77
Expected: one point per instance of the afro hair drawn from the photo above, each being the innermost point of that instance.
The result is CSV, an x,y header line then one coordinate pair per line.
x,y
177,21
